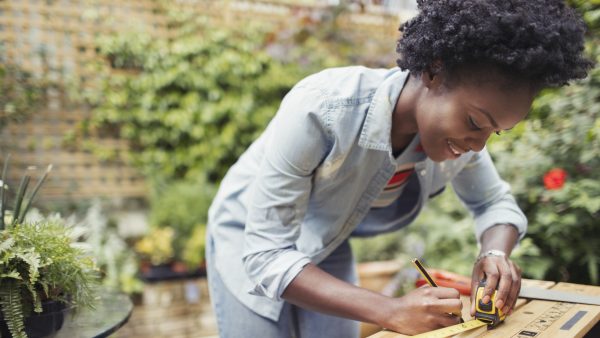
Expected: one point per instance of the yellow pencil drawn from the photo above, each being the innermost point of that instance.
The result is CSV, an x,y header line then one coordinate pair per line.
x,y
424,272
430,280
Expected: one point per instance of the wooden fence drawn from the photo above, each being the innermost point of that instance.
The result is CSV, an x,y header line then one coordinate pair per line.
x,y
56,39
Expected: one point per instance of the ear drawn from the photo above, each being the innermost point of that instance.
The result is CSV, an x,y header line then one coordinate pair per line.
x,y
431,80
432,77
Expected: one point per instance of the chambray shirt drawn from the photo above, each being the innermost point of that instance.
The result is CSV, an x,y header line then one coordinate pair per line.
x,y
308,183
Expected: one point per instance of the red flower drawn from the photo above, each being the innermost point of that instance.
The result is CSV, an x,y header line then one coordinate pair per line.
x,y
555,178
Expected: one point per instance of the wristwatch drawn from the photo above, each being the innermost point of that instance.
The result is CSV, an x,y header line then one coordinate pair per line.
x,y
493,252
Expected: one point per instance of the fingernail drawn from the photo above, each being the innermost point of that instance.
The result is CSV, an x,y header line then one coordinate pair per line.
x,y
486,299
499,304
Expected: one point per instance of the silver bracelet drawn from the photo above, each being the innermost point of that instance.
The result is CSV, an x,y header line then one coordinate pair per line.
x,y
493,252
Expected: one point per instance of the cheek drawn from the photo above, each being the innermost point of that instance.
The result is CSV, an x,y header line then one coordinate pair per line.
x,y
436,122
433,129
439,121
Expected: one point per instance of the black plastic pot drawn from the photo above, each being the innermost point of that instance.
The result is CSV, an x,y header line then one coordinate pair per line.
x,y
165,272
40,325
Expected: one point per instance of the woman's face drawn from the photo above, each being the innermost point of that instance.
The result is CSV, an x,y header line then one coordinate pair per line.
x,y
453,121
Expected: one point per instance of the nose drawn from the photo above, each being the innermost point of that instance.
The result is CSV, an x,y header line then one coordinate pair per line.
x,y
477,142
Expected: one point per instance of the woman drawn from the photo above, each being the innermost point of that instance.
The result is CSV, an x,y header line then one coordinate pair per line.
x,y
358,151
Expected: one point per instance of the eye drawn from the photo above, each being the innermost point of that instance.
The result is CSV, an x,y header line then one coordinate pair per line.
x,y
498,132
473,124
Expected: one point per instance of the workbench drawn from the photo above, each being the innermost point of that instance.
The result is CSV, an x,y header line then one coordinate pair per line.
x,y
536,318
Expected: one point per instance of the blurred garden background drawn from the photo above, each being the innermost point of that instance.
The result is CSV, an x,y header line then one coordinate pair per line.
x,y
142,105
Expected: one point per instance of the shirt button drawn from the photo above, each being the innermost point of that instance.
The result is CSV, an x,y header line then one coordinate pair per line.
x,y
423,172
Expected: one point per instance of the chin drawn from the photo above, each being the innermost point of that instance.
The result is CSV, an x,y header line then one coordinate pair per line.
x,y
439,159
435,156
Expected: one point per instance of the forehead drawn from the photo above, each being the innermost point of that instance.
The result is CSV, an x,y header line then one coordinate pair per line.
x,y
507,106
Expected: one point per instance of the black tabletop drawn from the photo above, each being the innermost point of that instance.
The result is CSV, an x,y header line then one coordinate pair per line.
x,y
110,313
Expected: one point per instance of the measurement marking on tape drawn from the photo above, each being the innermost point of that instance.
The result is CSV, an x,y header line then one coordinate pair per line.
x,y
573,320
451,330
544,321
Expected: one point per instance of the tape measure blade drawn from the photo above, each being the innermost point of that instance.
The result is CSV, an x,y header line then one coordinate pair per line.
x,y
451,330
475,333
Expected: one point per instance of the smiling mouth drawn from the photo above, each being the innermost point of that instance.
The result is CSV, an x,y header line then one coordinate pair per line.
x,y
456,150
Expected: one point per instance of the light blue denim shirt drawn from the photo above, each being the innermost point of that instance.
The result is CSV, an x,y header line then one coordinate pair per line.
x,y
306,184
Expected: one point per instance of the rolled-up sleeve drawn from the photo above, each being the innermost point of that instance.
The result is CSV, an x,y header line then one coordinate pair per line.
x,y
297,142
487,196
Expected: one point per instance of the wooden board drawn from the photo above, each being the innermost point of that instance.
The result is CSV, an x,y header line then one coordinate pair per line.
x,y
542,319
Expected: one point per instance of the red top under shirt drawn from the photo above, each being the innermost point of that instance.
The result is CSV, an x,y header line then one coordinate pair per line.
x,y
405,167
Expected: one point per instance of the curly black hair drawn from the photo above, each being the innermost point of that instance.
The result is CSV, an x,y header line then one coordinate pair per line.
x,y
539,42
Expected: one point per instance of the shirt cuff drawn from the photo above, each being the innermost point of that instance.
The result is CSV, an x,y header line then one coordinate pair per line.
x,y
279,275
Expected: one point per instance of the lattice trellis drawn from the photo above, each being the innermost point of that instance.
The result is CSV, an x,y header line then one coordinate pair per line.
x,y
57,39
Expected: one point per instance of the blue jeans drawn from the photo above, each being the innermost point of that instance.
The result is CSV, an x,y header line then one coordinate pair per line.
x,y
235,320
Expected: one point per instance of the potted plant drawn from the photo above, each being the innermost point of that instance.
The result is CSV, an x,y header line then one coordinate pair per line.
x,y
156,253
117,263
42,274
193,253
174,245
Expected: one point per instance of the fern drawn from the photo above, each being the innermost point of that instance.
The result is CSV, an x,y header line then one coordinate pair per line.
x,y
12,274
37,302
38,259
33,261
45,287
10,301
6,244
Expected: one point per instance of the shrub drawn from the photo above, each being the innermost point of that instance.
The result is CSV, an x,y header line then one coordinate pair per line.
x,y
192,104
21,93
183,207
561,133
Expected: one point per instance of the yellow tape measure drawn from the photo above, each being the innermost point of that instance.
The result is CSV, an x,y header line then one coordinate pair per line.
x,y
452,330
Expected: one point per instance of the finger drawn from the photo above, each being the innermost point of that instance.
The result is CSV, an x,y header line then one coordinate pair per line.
x,y
441,320
504,285
448,320
444,293
492,276
515,288
445,306
475,278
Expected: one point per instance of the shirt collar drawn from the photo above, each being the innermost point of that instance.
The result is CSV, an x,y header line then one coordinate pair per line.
x,y
377,129
413,153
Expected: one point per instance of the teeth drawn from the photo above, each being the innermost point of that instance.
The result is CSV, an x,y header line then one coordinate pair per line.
x,y
454,150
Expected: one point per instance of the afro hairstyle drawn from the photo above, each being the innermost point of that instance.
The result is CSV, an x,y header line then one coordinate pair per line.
x,y
539,42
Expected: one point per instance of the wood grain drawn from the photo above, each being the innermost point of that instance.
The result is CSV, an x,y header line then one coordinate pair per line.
x,y
467,316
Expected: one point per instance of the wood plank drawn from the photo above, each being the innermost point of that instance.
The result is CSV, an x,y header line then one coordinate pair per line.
x,y
467,315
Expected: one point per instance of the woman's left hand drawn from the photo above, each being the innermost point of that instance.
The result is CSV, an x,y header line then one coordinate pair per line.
x,y
499,271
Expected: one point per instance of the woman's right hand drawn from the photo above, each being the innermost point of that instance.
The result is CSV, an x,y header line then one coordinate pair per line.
x,y
421,310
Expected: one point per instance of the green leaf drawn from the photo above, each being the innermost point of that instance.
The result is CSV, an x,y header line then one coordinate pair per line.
x,y
10,301
32,259
19,199
7,244
12,274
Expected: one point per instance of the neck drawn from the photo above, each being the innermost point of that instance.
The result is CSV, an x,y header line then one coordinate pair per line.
x,y
404,123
